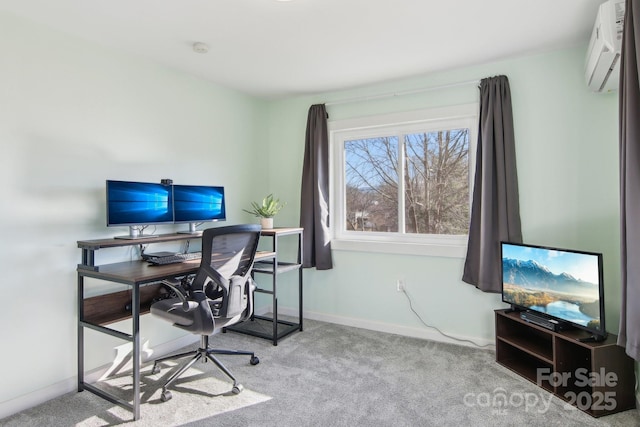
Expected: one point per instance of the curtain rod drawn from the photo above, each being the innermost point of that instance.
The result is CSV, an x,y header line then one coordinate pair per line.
x,y
407,92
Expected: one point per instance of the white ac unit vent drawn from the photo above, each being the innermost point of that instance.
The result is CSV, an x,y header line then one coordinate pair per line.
x,y
602,69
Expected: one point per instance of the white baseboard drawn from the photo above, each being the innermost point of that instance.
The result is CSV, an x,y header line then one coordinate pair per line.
x,y
146,354
68,385
423,333
37,397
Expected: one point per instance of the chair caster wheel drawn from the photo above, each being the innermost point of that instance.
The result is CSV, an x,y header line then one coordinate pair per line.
x,y
155,369
166,395
237,389
254,360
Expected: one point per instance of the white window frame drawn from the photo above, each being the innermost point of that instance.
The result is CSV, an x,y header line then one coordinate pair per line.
x,y
453,117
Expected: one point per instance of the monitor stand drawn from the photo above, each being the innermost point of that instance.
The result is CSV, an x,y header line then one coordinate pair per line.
x,y
135,233
192,229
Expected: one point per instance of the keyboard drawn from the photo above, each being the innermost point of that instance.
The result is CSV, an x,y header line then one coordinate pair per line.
x,y
175,258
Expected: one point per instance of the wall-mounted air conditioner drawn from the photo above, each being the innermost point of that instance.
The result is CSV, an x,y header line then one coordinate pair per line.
x,y
602,69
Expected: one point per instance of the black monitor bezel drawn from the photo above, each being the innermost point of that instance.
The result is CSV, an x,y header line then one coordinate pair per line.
x,y
223,217
600,332
111,223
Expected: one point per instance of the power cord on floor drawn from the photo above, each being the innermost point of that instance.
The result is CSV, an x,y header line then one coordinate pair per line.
x,y
404,290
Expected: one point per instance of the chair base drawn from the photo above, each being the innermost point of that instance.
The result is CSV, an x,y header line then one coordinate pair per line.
x,y
205,353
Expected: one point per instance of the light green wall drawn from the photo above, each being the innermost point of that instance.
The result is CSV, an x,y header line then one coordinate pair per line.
x,y
566,143
73,114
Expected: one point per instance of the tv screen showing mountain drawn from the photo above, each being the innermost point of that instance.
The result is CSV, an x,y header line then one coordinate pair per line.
x,y
561,283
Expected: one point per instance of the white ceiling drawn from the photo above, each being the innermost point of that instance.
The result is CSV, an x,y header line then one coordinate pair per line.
x,y
272,48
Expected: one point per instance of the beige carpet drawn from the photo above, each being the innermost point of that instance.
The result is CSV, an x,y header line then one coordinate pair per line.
x,y
337,376
200,393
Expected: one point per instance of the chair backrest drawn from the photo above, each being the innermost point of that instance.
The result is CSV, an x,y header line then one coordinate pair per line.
x,y
230,250
227,259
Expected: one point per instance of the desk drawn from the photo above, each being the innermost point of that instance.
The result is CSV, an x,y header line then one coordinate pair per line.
x,y
143,279
131,273
273,328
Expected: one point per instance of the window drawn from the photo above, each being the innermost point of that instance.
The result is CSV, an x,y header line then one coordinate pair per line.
x,y
401,182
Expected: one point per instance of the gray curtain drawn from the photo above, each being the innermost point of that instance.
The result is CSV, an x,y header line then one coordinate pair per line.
x,y
629,99
495,210
314,198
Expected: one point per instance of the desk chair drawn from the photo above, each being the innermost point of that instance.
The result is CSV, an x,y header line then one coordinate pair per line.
x,y
221,294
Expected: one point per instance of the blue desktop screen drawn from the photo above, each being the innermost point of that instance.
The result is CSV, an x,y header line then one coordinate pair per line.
x,y
138,203
198,203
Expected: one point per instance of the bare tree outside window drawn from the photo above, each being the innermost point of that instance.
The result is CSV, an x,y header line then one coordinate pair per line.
x,y
372,184
434,181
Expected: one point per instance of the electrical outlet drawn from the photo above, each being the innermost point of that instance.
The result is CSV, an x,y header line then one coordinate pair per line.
x,y
400,285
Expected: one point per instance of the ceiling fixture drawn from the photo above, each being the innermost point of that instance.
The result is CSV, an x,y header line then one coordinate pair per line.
x,y
200,47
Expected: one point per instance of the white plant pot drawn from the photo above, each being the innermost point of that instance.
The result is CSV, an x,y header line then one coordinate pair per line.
x,y
266,223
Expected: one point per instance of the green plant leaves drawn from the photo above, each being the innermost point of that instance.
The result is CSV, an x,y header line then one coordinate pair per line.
x,y
269,207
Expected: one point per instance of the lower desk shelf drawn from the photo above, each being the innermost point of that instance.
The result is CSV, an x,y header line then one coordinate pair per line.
x,y
266,327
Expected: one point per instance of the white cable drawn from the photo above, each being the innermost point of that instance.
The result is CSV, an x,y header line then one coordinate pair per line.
x,y
404,290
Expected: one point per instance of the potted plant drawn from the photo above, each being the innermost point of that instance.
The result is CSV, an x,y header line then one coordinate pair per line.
x,y
266,210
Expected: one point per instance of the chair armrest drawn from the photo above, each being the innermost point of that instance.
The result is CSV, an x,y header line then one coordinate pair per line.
x,y
173,285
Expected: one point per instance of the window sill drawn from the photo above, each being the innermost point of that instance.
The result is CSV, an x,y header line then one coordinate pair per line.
x,y
453,250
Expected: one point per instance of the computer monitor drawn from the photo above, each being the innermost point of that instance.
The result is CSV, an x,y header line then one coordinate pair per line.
x,y
138,204
564,285
195,204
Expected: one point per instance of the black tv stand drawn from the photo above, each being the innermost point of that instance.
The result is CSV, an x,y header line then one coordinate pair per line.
x,y
595,377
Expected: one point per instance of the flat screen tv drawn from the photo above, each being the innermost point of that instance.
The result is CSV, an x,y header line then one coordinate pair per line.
x,y
196,204
559,284
138,204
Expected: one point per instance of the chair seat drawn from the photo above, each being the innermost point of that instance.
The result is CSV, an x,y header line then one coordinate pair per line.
x,y
171,310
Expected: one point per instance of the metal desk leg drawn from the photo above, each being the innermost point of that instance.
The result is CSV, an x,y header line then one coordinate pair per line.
x,y
274,283
300,260
300,297
80,333
135,303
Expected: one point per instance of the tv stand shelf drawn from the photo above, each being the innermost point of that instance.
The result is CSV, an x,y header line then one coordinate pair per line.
x,y
596,377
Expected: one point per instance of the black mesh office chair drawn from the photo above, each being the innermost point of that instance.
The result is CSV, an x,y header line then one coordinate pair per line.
x,y
221,294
